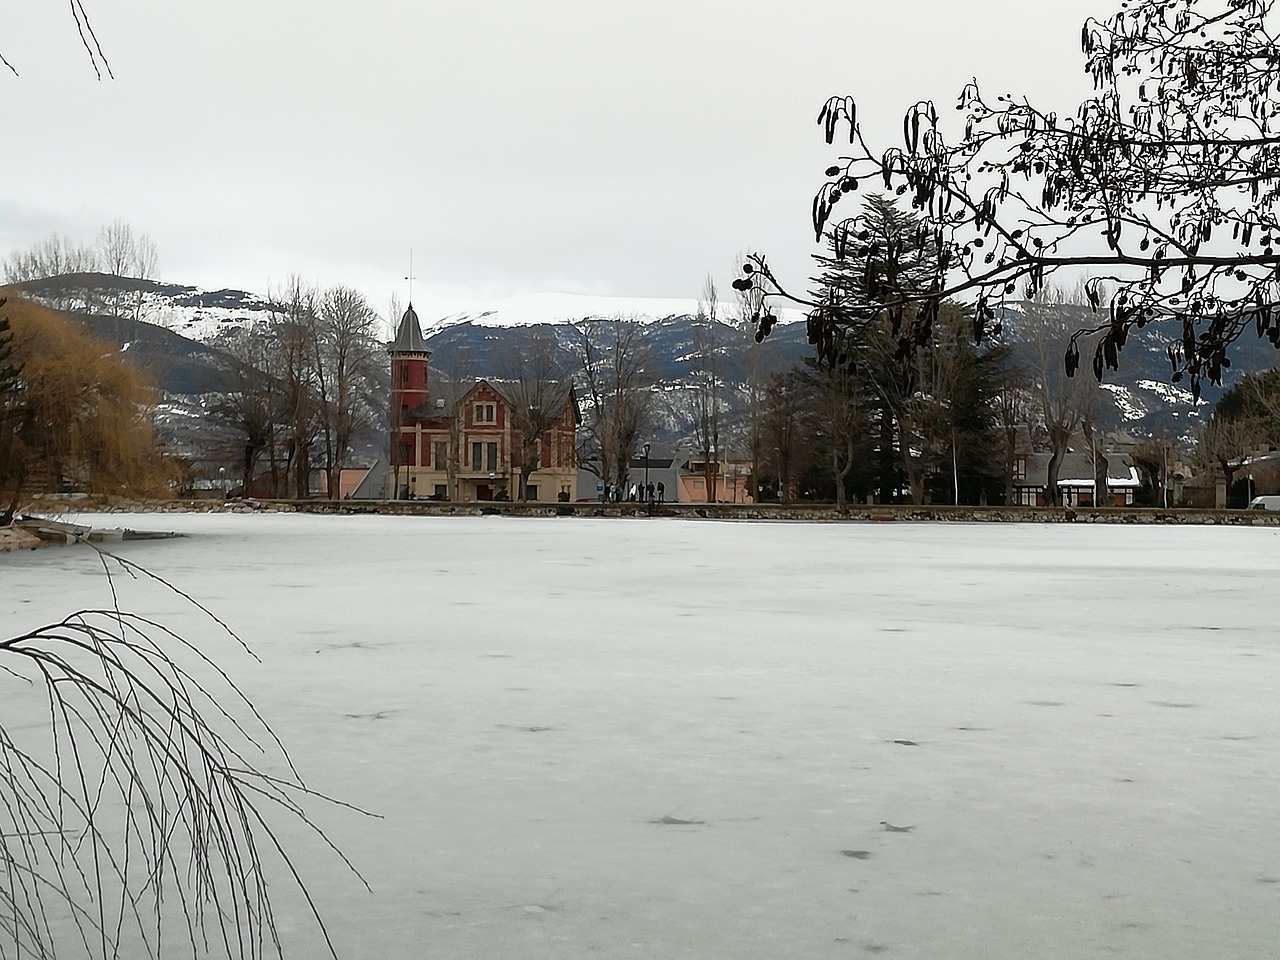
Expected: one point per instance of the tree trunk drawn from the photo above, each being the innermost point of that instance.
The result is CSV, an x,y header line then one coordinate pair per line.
x,y
277,486
1228,472
1010,459
1059,440
886,456
955,472
1101,491
251,455
910,465
12,508
842,502
1052,496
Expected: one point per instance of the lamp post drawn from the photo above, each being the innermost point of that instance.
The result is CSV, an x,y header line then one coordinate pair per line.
x,y
648,499
222,481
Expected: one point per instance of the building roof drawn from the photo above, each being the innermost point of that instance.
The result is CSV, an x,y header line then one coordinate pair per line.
x,y
558,393
409,337
446,397
374,484
1076,470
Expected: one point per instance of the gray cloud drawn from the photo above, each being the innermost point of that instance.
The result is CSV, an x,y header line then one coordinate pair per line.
x,y
514,145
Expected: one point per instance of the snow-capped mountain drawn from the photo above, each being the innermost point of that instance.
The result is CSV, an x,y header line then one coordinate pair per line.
x,y
194,313
532,309
1144,399
203,315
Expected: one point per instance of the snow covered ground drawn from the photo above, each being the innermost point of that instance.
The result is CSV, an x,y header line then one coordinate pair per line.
x,y
1080,725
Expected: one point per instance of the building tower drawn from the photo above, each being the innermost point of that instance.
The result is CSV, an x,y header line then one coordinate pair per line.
x,y
409,358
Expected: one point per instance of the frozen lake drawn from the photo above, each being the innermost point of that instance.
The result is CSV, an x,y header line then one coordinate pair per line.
x,y
1080,724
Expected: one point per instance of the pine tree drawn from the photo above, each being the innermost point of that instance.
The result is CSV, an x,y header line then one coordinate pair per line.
x,y
926,387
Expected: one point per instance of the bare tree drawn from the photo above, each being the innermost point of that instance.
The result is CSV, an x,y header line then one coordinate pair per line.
x,y
1225,443
252,404
60,264
784,427
454,371
748,306
1246,417
51,257
1015,405
1065,401
293,325
125,257
616,363
139,798
345,357
704,398
842,422
538,389
395,310
88,40
1152,459
1171,164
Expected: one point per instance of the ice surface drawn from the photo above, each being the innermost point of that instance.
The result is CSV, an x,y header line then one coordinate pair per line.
x,y
630,738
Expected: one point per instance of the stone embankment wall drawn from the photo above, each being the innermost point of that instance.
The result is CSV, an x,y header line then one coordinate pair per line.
x,y
723,511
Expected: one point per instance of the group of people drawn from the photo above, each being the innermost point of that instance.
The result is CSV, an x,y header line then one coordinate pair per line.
x,y
636,492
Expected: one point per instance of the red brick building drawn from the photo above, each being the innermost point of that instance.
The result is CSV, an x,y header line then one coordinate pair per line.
x,y
453,441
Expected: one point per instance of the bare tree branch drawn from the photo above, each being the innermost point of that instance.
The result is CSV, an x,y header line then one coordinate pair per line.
x,y
1172,169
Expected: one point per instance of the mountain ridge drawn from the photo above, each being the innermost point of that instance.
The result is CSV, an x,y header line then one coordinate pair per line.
x,y
1145,400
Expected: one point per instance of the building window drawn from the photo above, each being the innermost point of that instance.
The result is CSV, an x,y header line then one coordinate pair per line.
x,y
1019,468
440,455
531,491
485,413
477,456
491,452
442,492
404,373
406,451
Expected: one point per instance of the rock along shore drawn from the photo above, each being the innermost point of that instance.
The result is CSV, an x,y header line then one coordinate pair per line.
x,y
819,512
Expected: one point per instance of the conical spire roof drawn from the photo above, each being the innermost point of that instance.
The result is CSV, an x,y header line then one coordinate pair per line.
x,y
409,337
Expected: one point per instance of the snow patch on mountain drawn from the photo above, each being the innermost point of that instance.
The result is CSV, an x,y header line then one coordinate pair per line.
x,y
202,314
531,309
1171,394
1130,407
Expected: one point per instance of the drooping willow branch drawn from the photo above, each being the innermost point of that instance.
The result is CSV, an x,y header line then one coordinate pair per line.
x,y
134,819
88,40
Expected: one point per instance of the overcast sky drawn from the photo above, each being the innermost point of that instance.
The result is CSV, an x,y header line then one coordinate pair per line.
x,y
515,145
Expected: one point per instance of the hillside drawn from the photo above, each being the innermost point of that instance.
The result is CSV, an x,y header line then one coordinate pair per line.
x,y
176,335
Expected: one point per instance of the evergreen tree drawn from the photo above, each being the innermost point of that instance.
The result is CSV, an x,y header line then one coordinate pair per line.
x,y
927,391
